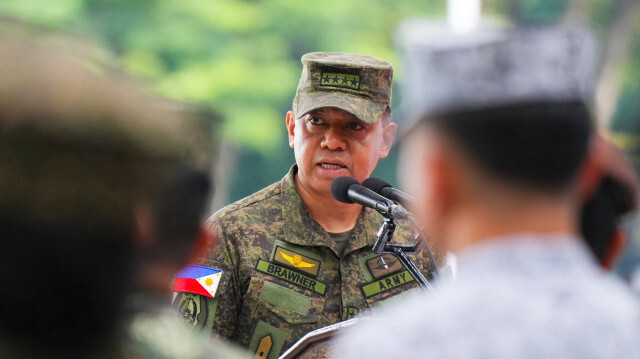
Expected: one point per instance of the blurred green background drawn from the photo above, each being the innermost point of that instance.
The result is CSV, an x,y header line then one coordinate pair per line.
x,y
241,58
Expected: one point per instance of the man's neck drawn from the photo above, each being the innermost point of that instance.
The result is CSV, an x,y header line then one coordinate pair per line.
x,y
333,216
472,227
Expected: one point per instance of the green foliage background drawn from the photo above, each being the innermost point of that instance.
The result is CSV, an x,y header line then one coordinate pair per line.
x,y
239,57
242,57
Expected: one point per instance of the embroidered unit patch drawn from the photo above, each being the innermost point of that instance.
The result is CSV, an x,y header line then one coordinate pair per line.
x,y
194,310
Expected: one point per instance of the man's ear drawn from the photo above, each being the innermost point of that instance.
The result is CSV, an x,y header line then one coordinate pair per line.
x,y
442,189
388,135
591,172
291,125
616,246
434,188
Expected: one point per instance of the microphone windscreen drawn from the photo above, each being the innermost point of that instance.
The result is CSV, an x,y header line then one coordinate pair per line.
x,y
376,184
340,188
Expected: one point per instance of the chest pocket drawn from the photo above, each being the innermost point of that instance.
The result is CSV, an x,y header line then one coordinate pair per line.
x,y
289,302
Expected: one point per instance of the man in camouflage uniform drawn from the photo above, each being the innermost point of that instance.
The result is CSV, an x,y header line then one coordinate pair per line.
x,y
294,259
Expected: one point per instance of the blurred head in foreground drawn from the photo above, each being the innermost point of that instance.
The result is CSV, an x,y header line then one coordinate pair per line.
x,y
84,159
496,158
497,145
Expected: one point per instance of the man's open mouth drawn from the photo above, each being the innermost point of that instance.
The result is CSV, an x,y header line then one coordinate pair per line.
x,y
331,166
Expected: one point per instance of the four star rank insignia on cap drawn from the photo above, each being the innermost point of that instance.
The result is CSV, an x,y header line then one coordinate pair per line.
x,y
340,80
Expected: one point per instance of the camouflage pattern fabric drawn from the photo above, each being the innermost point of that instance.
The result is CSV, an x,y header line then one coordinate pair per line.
x,y
282,276
358,84
154,331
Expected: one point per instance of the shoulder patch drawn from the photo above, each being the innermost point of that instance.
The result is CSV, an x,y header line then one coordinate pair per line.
x,y
196,311
198,280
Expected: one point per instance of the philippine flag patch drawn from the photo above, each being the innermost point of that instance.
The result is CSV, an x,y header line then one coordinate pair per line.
x,y
198,280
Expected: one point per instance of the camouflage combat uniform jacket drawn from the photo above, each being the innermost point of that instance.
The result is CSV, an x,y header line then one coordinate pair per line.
x,y
282,276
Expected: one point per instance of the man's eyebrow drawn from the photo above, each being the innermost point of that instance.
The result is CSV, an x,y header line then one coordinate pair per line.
x,y
358,120
316,112
351,117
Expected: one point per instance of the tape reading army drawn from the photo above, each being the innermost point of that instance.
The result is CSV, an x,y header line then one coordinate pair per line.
x,y
385,284
291,276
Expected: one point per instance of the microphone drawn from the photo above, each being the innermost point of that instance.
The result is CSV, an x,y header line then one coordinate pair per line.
x,y
349,190
385,189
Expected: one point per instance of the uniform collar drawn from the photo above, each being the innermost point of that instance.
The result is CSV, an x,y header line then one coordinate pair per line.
x,y
301,229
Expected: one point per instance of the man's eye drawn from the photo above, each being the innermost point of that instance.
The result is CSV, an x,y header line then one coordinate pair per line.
x,y
355,126
315,120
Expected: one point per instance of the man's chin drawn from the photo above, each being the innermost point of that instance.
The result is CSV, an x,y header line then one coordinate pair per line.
x,y
320,181
320,184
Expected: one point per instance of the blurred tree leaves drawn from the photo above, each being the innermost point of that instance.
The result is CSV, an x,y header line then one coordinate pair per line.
x,y
239,57
44,12
537,12
242,57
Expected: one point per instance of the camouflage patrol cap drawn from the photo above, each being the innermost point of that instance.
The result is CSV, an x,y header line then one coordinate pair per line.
x,y
358,84
493,67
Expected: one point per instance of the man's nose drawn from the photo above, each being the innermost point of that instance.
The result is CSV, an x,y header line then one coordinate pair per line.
x,y
334,140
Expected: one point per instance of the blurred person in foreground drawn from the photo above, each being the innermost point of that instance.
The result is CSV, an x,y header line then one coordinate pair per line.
x,y
495,175
291,258
96,179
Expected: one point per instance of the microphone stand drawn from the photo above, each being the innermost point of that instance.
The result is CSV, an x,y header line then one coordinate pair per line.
x,y
382,245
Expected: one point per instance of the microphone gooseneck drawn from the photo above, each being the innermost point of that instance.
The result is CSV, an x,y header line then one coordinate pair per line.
x,y
376,184
385,189
349,190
